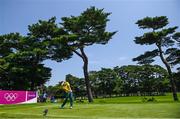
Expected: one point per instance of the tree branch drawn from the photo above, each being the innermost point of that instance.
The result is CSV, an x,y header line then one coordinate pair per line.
x,y
84,55
77,53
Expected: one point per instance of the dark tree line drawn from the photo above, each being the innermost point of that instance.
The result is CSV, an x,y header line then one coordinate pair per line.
x,y
128,80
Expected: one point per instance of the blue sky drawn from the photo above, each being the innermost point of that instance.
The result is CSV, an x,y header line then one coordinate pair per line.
x,y
16,15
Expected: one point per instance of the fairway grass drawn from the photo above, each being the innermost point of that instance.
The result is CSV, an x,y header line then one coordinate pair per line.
x,y
93,111
101,109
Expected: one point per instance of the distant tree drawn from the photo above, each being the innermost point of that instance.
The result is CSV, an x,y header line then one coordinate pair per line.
x,y
118,89
94,81
153,78
144,79
107,78
53,91
160,37
130,78
105,82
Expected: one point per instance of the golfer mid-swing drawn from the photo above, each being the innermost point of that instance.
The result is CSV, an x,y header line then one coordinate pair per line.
x,y
68,94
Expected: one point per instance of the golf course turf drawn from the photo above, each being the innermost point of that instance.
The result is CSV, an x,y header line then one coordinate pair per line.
x,y
107,108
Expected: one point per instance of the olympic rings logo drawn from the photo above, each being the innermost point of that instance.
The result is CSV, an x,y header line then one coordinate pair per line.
x,y
10,96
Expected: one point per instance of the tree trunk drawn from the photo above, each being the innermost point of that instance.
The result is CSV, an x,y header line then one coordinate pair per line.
x,y
86,75
173,85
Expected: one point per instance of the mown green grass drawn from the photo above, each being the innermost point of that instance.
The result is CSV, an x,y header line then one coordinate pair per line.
x,y
110,108
136,99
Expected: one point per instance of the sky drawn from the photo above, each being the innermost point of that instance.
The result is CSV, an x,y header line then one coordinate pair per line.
x,y
16,15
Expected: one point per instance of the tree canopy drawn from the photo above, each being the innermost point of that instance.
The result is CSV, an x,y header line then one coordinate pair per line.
x,y
84,30
165,40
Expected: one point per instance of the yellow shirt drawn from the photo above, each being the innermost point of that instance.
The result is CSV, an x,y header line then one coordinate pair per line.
x,y
66,87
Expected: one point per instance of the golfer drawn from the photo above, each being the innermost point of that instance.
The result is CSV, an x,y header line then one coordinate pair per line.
x,y
68,94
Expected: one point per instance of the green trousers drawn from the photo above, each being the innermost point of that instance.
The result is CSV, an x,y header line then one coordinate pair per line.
x,y
70,96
